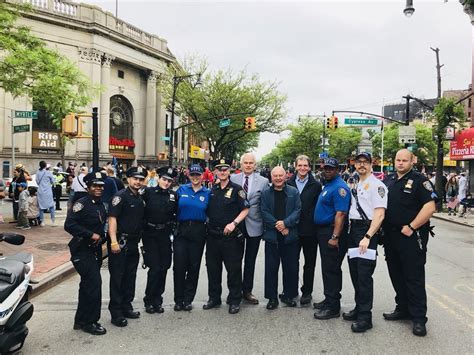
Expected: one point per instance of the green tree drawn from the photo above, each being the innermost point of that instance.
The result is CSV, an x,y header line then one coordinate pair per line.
x,y
29,68
343,141
225,94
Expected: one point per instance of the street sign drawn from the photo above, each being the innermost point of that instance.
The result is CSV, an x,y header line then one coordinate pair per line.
x,y
21,128
323,155
163,138
360,121
406,134
25,114
224,122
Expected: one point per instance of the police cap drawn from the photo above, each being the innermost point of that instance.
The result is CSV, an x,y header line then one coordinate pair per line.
x,y
137,171
195,169
222,163
166,172
95,178
331,162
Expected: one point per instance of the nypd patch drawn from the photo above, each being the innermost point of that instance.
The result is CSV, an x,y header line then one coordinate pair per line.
x,y
201,198
116,200
427,185
342,192
381,191
172,198
77,207
242,194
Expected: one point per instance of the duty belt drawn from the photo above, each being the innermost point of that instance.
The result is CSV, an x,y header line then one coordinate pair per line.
x,y
360,221
190,223
129,236
156,226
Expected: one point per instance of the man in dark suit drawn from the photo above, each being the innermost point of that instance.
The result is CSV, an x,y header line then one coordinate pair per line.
x,y
309,190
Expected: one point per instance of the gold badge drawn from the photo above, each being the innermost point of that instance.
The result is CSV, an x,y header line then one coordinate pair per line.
x,y
98,175
366,186
409,184
228,193
77,207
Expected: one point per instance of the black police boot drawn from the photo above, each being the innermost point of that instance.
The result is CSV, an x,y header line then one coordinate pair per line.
x,y
419,329
212,304
187,307
130,313
397,314
306,298
159,308
94,329
119,322
327,314
361,326
178,307
288,301
351,315
234,308
272,304
319,305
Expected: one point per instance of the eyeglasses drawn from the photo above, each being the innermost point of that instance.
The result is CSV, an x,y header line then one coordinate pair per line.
x,y
362,162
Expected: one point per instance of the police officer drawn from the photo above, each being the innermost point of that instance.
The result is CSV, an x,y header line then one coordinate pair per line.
x,y
126,213
411,203
367,211
160,217
188,244
228,207
86,225
329,216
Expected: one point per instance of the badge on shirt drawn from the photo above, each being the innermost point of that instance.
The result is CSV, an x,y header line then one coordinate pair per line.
x,y
201,198
409,184
116,200
242,194
172,198
366,186
381,191
342,192
228,193
77,207
427,185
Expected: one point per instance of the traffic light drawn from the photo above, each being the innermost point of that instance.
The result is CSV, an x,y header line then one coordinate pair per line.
x,y
253,124
69,125
335,122
250,124
329,122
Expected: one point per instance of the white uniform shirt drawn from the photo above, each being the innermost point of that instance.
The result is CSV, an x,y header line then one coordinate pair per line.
x,y
372,194
462,188
78,184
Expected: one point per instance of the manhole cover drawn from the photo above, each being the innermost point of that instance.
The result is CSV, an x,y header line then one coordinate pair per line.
x,y
52,246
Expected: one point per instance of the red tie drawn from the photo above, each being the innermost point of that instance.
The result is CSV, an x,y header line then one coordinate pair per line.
x,y
246,184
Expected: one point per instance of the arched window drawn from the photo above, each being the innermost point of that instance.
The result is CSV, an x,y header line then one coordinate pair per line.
x,y
121,124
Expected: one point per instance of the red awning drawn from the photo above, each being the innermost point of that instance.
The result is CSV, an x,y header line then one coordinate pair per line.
x,y
462,147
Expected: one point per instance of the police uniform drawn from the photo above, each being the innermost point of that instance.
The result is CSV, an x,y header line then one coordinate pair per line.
x,y
406,256
371,194
334,197
129,209
87,217
225,205
160,218
188,244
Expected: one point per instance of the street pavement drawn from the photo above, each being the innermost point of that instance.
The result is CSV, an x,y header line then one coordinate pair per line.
x,y
450,288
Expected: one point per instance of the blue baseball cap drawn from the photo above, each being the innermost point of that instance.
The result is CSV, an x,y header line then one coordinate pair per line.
x,y
331,162
195,169
364,155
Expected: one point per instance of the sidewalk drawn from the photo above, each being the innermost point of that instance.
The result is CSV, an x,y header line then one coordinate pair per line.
x,y
466,221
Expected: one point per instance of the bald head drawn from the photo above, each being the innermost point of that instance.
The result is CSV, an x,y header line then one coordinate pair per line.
x,y
278,177
403,161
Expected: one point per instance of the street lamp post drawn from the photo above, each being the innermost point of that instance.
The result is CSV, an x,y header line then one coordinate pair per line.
x,y
176,81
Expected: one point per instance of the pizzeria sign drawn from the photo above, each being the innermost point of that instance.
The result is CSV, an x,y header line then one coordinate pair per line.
x,y
462,147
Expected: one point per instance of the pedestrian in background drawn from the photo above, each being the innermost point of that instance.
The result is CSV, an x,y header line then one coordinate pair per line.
x,y
13,192
78,185
23,206
451,193
463,186
33,208
45,181
57,188
152,179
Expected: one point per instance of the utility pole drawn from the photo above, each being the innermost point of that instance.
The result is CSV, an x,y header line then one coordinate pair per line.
x,y
95,139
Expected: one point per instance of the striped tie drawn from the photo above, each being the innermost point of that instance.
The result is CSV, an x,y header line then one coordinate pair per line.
x,y
246,184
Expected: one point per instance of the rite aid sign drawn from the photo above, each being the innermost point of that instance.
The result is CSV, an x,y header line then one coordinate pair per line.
x,y
462,147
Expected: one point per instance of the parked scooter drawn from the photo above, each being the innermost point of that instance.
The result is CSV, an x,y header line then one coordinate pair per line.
x,y
15,310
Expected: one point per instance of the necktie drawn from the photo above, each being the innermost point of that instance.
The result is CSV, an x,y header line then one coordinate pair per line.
x,y
246,184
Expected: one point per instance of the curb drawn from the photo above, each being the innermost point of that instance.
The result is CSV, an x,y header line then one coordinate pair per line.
x,y
466,224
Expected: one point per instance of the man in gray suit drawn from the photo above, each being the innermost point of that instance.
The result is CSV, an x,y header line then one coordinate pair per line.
x,y
253,184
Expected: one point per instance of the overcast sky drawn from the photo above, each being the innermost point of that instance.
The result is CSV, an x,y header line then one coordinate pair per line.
x,y
327,55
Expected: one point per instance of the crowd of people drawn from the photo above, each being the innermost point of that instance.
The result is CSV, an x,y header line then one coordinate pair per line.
x,y
294,215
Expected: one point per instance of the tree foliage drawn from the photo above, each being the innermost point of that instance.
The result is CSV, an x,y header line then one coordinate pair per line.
x,y
224,94
29,68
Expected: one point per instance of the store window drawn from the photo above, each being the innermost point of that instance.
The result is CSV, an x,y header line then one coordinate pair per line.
x,y
121,124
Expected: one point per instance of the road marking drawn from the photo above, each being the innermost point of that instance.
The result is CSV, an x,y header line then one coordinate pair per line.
x,y
450,300
463,288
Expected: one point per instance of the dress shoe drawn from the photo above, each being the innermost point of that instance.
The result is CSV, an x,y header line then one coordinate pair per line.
x,y
288,301
211,304
272,304
94,329
119,322
306,298
419,329
326,314
178,307
319,305
159,308
234,309
149,309
187,307
397,314
250,298
361,326
131,314
351,315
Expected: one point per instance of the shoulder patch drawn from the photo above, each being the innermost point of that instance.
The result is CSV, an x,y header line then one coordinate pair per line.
x,y
342,192
116,200
172,198
381,191
427,185
77,207
242,194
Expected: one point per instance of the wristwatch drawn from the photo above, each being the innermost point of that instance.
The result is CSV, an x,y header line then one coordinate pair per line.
x,y
413,229
334,237
235,223
369,237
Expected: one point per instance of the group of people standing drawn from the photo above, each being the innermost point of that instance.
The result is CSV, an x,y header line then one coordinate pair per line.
x,y
232,217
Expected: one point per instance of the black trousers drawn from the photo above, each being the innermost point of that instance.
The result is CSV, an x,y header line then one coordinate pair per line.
x,y
123,274
188,247
361,271
287,254
57,190
406,267
158,255
309,245
252,245
16,207
331,261
228,250
87,263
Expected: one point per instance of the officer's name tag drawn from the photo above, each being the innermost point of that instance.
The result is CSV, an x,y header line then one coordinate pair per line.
x,y
370,254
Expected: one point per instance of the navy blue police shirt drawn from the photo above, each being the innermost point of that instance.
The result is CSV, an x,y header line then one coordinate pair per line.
x,y
192,205
335,197
129,209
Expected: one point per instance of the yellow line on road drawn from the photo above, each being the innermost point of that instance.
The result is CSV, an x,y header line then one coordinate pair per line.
x,y
450,300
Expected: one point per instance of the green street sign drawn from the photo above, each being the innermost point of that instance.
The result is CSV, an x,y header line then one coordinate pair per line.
x,y
21,128
224,122
360,121
25,114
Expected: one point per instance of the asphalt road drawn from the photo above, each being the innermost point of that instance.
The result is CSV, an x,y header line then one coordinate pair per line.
x,y
450,288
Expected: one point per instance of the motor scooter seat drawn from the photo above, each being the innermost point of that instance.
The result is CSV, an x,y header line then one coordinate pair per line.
x,y
12,273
